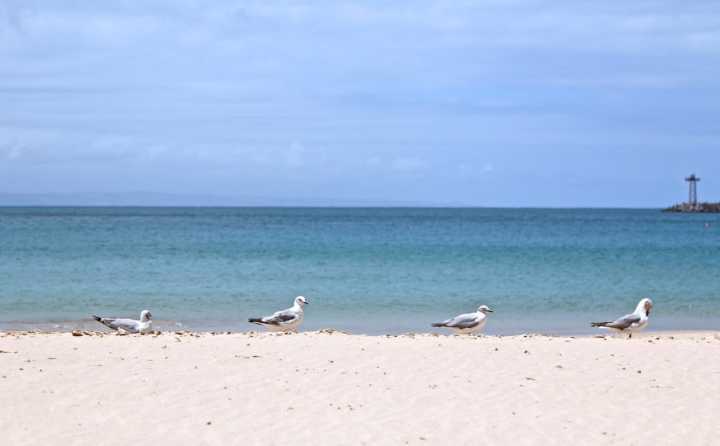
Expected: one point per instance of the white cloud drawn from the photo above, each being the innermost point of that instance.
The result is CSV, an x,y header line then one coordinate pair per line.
x,y
364,89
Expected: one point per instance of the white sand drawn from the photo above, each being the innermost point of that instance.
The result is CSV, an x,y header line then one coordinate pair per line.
x,y
335,389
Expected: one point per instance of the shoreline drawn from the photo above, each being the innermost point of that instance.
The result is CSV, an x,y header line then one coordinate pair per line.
x,y
648,333
555,326
342,389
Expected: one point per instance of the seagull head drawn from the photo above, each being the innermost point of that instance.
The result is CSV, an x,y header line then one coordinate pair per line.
x,y
644,306
484,309
145,316
300,301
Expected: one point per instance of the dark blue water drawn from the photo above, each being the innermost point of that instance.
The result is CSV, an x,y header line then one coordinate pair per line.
x,y
364,270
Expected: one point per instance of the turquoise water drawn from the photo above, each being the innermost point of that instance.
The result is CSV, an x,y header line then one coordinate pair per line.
x,y
364,270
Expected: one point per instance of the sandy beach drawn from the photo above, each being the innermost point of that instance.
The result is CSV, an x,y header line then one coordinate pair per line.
x,y
333,388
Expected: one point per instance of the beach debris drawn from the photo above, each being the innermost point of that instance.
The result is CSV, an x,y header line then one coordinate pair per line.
x,y
77,333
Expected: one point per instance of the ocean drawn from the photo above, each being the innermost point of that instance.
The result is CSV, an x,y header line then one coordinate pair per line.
x,y
364,270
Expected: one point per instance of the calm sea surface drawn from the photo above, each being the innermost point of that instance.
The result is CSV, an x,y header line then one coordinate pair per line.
x,y
364,270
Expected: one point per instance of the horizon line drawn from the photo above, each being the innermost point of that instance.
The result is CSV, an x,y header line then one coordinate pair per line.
x,y
302,206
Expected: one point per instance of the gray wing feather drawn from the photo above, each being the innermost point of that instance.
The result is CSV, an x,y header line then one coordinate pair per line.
x,y
624,322
124,324
280,317
463,321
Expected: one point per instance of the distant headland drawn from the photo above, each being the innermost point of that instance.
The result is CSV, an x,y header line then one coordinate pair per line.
x,y
699,207
692,204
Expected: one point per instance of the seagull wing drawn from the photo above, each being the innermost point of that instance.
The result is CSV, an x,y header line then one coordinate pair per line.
x,y
129,325
468,320
624,322
280,317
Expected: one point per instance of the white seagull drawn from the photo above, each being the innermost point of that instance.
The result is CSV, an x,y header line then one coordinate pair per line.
x,y
467,323
285,320
144,325
635,321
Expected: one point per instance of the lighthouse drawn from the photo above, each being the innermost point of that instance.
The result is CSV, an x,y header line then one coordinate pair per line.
x,y
692,190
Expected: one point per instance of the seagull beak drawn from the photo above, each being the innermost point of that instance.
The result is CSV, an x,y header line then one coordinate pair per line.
x,y
490,311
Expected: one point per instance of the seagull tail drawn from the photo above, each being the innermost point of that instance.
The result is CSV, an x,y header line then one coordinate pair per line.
x,y
255,320
599,324
103,321
438,324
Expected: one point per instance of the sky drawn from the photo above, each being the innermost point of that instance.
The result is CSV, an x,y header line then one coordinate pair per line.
x,y
480,103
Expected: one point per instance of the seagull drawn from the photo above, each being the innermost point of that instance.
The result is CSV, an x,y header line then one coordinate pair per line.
x,y
635,321
144,325
285,320
467,323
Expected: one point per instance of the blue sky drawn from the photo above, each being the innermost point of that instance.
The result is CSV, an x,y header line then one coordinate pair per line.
x,y
490,103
